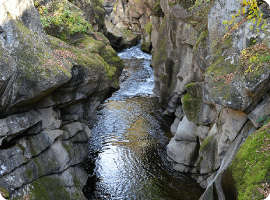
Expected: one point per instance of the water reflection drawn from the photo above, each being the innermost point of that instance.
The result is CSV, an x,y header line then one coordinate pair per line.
x,y
127,155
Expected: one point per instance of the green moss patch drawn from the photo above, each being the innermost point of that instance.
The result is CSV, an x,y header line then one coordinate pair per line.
x,y
228,74
48,188
251,166
107,60
208,143
35,59
224,71
127,34
4,192
201,42
161,54
192,101
94,46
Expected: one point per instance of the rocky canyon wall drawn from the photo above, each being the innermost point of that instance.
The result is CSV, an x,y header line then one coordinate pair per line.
x,y
50,87
140,16
203,78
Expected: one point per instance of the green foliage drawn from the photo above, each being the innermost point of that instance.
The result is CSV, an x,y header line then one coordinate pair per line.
x,y
251,166
265,119
197,3
157,6
58,15
254,57
250,9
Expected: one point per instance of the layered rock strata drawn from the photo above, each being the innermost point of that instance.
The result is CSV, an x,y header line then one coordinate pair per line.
x,y
50,89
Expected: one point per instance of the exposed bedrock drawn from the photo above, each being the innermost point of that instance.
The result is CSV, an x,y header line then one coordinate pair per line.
x,y
142,17
202,79
51,83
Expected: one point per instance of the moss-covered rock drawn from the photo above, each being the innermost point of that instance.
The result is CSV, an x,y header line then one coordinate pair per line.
x,y
192,105
194,108
4,193
39,70
229,84
87,55
209,159
251,166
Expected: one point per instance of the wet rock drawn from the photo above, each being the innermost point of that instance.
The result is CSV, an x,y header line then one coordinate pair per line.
x,y
43,77
20,122
179,112
3,127
68,184
195,109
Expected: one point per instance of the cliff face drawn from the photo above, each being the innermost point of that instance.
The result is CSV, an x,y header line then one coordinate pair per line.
x,y
49,90
136,15
201,72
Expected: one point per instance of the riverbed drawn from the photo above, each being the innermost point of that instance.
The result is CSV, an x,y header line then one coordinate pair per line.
x,y
127,151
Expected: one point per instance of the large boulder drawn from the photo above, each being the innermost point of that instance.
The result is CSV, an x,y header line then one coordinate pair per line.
x,y
120,38
230,82
38,70
183,148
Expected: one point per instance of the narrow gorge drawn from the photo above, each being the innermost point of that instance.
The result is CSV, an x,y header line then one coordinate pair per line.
x,y
186,119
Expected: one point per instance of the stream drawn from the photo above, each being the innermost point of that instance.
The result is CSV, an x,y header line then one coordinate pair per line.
x,y
127,151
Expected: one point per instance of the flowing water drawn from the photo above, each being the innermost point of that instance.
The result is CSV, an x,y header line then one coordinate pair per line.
x,y
127,155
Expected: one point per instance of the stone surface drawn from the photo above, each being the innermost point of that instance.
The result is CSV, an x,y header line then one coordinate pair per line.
x,y
183,152
43,80
215,180
202,131
179,112
209,159
186,131
71,129
261,110
231,123
50,119
120,37
174,126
